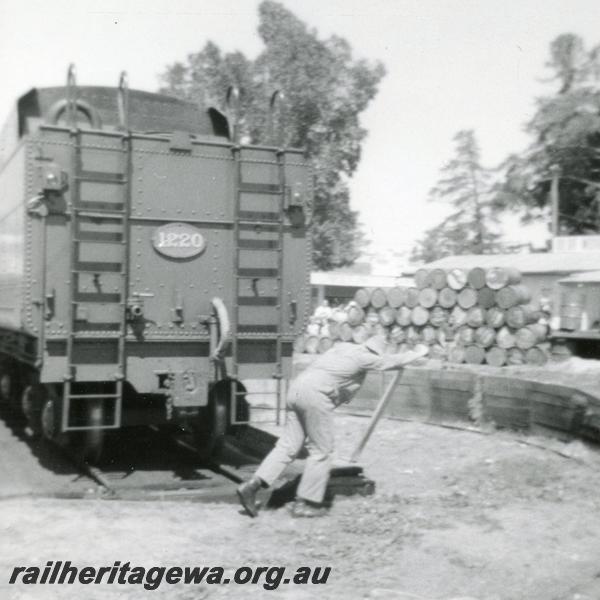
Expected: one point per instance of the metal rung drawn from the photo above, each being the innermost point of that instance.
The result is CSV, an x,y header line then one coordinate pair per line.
x,y
257,272
96,297
258,328
253,216
93,396
91,428
258,300
100,214
80,326
100,237
101,177
259,244
92,217
115,208
264,225
107,334
260,188
98,267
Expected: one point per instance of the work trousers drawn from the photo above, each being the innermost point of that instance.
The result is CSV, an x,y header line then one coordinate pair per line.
x,y
310,419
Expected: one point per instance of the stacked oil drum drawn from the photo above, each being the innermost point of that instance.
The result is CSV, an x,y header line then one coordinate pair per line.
x,y
476,316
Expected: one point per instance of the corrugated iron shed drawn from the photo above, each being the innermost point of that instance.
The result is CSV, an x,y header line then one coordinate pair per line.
x,y
589,277
358,280
533,263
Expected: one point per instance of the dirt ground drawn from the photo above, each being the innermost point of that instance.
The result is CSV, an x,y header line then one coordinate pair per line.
x,y
456,515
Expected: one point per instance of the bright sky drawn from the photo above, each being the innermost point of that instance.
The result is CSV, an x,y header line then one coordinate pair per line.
x,y
452,64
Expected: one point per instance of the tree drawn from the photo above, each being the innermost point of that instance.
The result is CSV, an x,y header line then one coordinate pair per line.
x,y
467,186
326,91
566,133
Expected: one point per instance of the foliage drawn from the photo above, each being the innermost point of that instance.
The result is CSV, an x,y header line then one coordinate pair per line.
x,y
326,91
467,186
566,132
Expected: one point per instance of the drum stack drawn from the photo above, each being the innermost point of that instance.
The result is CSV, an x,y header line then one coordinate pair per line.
x,y
476,316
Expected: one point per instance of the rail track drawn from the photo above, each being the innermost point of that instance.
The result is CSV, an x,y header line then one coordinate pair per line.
x,y
149,464
153,464
158,466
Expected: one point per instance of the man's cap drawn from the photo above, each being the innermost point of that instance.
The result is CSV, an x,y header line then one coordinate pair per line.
x,y
376,344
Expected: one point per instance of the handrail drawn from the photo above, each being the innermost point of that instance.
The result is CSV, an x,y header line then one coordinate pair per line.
x,y
123,101
71,96
276,119
232,102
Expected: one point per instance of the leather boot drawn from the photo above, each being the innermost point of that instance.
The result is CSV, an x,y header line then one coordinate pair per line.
x,y
247,494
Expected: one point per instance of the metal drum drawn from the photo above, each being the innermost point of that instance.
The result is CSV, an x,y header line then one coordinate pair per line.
x,y
356,315
499,277
363,297
378,298
420,278
476,278
396,296
412,297
436,279
571,309
457,279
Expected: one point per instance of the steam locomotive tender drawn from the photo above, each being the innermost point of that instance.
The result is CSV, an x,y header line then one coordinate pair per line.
x,y
138,237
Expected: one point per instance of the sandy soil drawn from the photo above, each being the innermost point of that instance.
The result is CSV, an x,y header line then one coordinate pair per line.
x,y
456,515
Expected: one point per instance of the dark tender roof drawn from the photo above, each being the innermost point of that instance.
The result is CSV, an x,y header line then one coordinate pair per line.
x,y
148,112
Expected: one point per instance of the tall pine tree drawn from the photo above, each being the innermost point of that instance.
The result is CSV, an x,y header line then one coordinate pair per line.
x,y
565,132
467,186
326,91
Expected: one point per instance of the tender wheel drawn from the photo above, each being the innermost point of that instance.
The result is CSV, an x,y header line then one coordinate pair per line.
x,y
211,428
214,422
32,405
5,388
9,387
92,442
86,445
49,422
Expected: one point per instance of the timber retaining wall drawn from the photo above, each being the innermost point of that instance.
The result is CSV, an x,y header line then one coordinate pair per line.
x,y
446,395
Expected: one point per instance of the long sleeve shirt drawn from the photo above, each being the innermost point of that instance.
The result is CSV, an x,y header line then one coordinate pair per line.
x,y
339,372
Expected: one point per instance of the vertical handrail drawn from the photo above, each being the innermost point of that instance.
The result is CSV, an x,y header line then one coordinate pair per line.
x,y
74,246
277,139
75,190
237,161
43,284
276,119
280,155
127,165
72,96
123,101
232,102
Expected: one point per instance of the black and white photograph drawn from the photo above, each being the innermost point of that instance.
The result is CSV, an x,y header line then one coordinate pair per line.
x,y
299,299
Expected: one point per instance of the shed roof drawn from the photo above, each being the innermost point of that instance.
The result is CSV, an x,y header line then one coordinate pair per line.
x,y
587,277
543,262
332,278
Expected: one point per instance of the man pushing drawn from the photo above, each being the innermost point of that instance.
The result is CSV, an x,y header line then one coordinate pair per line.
x,y
331,380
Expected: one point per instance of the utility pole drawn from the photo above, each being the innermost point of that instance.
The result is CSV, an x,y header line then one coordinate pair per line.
x,y
554,198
